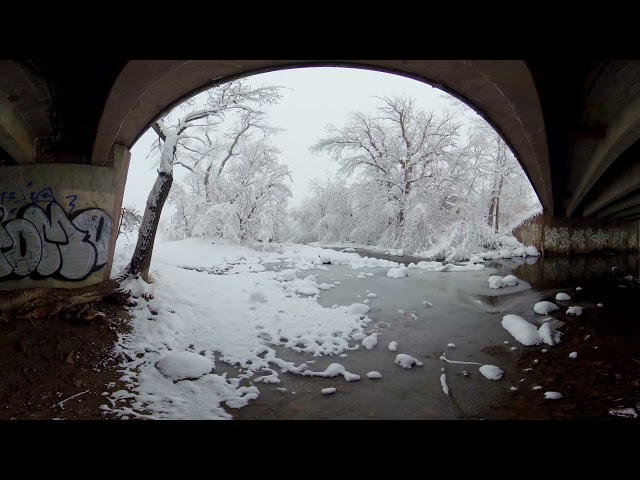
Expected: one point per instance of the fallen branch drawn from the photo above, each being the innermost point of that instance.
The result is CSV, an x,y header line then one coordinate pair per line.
x,y
59,404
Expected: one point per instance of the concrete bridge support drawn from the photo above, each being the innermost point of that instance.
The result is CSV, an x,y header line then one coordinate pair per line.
x,y
564,236
59,222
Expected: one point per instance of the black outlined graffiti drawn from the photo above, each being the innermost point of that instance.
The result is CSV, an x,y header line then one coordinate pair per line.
x,y
50,243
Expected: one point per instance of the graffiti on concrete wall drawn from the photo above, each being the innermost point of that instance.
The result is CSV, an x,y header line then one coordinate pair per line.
x,y
558,239
48,242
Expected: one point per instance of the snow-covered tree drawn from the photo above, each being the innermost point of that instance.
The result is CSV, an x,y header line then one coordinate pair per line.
x,y
179,132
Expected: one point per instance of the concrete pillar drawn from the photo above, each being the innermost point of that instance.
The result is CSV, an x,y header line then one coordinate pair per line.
x,y
563,236
59,222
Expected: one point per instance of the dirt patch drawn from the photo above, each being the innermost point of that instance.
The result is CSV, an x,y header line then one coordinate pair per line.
x,y
55,347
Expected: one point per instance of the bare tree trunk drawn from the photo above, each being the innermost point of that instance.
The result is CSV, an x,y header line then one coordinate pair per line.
x,y
141,259
497,198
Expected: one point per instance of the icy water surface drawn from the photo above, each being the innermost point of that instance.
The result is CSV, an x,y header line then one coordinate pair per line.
x,y
462,310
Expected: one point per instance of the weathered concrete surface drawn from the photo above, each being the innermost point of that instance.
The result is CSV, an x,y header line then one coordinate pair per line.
x,y
562,236
59,222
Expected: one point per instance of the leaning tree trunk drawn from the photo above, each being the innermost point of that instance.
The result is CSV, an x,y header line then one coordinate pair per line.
x,y
141,259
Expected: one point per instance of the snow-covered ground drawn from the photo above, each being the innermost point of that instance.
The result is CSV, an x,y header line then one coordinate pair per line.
x,y
187,323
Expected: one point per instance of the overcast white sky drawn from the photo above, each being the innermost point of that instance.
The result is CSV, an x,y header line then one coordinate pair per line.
x,y
314,97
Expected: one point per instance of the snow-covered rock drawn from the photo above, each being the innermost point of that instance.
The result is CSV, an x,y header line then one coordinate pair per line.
x,y
548,334
183,365
491,372
506,253
532,251
393,346
562,297
510,281
577,311
407,361
370,341
552,395
328,391
573,355
373,374
451,345
495,281
371,295
519,252
398,272
544,307
523,331
359,309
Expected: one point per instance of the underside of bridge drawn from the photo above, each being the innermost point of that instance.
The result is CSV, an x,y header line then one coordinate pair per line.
x,y
67,126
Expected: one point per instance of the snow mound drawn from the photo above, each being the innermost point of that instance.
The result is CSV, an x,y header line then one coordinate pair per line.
x,y
577,311
257,297
552,395
328,391
532,251
544,307
548,334
358,336
562,297
443,382
373,374
495,282
407,361
333,370
398,272
510,281
359,309
370,341
523,331
491,372
371,295
505,253
519,252
288,275
182,365
393,346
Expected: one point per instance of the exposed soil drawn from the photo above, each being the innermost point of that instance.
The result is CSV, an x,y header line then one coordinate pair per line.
x,y
55,349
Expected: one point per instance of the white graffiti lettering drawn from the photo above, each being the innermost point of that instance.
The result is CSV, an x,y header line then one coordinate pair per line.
x,y
51,243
